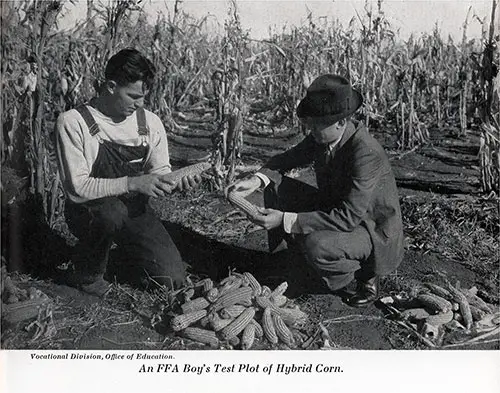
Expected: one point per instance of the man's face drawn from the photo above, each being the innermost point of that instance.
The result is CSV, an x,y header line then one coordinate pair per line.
x,y
125,99
323,131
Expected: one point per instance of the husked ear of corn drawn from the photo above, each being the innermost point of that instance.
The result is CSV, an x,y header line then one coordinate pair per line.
x,y
248,336
202,336
237,296
22,311
292,315
194,305
182,321
282,331
278,300
477,313
266,291
415,314
230,285
212,295
280,289
218,323
265,302
460,298
195,169
206,284
268,326
258,329
254,284
234,341
237,326
477,302
188,294
438,290
434,302
240,202
205,321
232,311
440,319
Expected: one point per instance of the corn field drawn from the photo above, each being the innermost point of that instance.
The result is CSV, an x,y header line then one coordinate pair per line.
x,y
414,85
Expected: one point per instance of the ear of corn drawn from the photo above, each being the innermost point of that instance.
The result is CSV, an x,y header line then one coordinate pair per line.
x,y
415,314
218,323
280,289
182,321
194,305
268,326
195,169
212,295
202,336
266,291
265,302
477,302
282,331
440,319
188,294
24,310
258,329
477,313
434,302
254,284
248,336
249,208
465,310
232,311
438,290
292,316
237,296
278,300
230,285
237,326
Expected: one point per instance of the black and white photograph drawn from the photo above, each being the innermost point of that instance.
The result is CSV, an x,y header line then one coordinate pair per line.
x,y
229,181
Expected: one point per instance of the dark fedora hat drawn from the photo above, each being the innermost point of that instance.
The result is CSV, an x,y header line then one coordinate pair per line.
x,y
330,95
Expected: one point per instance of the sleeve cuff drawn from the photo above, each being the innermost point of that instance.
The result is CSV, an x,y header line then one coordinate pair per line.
x,y
290,224
265,180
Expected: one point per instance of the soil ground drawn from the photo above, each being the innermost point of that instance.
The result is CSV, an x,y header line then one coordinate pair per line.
x,y
451,230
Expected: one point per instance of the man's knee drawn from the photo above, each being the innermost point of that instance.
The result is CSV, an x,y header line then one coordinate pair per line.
x,y
110,214
320,246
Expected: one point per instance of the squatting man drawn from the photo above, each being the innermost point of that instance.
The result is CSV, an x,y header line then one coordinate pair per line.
x,y
349,227
112,154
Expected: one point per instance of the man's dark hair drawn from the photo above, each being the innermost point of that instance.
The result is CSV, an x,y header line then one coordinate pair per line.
x,y
129,66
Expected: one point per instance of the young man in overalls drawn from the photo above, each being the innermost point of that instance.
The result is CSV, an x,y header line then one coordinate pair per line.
x,y
350,226
112,154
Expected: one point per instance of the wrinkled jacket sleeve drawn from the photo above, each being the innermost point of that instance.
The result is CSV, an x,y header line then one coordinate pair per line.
x,y
300,155
366,172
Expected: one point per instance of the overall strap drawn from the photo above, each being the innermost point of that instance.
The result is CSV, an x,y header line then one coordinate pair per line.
x,y
89,119
141,122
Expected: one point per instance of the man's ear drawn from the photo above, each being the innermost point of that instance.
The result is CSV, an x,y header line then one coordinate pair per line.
x,y
110,86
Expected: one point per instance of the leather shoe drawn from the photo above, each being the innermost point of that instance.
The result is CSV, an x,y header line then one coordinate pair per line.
x,y
366,292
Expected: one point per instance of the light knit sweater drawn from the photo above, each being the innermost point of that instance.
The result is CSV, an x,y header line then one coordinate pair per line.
x,y
77,151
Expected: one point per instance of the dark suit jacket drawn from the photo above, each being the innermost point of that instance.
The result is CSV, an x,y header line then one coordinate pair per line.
x,y
356,186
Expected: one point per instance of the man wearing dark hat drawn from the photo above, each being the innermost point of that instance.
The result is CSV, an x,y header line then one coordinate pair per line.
x,y
350,226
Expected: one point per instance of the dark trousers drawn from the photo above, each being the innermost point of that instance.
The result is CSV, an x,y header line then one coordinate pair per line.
x,y
338,257
145,249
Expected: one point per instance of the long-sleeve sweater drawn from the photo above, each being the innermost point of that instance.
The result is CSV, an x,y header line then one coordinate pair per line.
x,y
77,151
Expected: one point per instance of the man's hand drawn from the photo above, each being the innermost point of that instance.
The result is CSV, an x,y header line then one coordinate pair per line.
x,y
151,184
268,218
188,182
244,187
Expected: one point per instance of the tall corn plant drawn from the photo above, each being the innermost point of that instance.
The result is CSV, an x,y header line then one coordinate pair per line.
x,y
490,112
229,86
44,186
